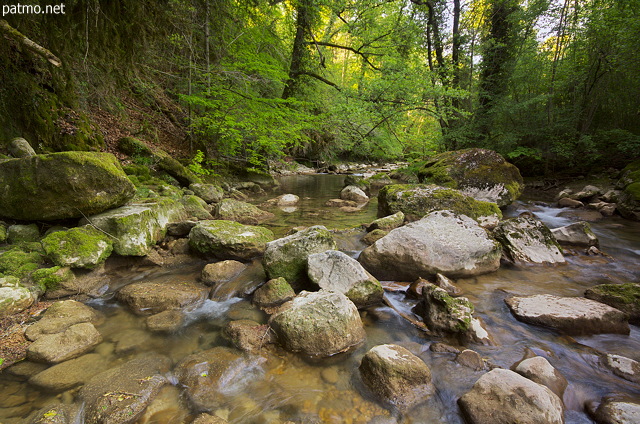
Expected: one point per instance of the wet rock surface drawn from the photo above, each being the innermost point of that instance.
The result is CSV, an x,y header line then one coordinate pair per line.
x,y
148,298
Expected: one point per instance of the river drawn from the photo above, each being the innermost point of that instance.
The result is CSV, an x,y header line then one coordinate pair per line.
x,y
286,387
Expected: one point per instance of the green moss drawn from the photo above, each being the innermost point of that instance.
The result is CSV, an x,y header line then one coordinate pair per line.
x,y
3,233
19,263
50,278
628,293
81,247
634,190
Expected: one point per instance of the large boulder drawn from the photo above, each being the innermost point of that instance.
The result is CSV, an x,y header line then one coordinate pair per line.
x,y
503,396
539,370
71,343
287,257
527,240
229,239
62,185
442,242
622,366
625,297
396,376
135,228
480,173
629,183
318,324
417,200
120,395
147,298
14,297
80,247
572,315
335,271
576,234
245,213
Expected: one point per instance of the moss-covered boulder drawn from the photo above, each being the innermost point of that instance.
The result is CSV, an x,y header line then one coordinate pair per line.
x,y
528,240
80,247
208,192
417,200
629,200
480,173
229,239
195,207
19,233
20,148
624,297
273,293
243,212
62,185
443,313
287,257
387,223
19,263
14,296
136,227
335,271
52,278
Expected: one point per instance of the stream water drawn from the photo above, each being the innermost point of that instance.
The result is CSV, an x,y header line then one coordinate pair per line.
x,y
286,387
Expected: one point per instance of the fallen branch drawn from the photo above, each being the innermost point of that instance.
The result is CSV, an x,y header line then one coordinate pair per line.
x,y
36,48
418,324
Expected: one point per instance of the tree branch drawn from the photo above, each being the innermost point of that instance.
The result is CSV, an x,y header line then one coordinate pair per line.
x,y
351,49
320,78
17,36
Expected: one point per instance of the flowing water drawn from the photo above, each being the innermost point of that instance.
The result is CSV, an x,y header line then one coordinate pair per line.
x,y
277,387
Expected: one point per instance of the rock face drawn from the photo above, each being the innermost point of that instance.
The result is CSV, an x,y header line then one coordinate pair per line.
x,y
148,298
71,343
354,194
572,315
287,257
576,234
625,297
245,213
121,394
443,313
526,239
417,200
137,227
62,185
502,396
396,376
479,173
79,247
335,271
539,370
14,297
319,324
441,242
229,239
629,183
387,223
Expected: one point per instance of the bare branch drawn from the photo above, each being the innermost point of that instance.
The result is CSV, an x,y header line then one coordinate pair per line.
x,y
365,56
17,36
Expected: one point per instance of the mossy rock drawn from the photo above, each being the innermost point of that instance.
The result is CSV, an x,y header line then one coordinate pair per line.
x,y
528,240
3,232
273,293
80,247
480,173
51,278
443,313
18,234
18,263
229,239
624,297
62,185
14,296
629,201
134,147
196,207
243,212
418,200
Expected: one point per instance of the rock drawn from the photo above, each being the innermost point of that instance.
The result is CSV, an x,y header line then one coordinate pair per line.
x,y
180,229
625,297
442,242
586,193
378,180
201,373
229,239
571,315
471,359
195,207
148,298
567,202
242,212
418,200
19,263
539,370
248,336
209,419
283,200
581,215
121,394
617,410
3,232
60,316
23,233
339,203
208,192
62,185
477,333
373,236
287,257
479,173
623,367
273,293
318,324
354,194
448,285
14,297
71,343
57,414
335,271
221,272
243,285
168,321
563,194
444,348
135,228
20,148
129,340
93,283
527,240
387,223
80,247
493,397
606,209
50,279
69,374
443,313
612,196
576,234
396,376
